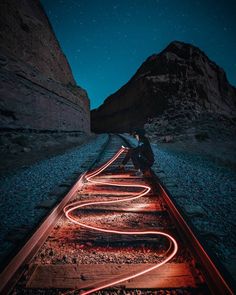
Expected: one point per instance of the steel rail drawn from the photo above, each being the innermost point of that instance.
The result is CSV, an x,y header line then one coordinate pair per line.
x,y
77,205
11,273
215,280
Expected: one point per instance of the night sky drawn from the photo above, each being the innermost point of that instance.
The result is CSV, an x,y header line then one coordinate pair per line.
x,y
105,41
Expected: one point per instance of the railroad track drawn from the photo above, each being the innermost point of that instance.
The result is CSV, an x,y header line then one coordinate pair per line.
x,y
118,232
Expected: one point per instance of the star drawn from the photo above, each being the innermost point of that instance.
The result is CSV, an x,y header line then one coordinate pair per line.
x,y
110,31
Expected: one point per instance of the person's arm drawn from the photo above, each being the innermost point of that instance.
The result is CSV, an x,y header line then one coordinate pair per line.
x,y
126,158
139,149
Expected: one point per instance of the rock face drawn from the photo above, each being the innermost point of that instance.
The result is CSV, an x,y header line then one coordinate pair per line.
x,y
37,90
179,82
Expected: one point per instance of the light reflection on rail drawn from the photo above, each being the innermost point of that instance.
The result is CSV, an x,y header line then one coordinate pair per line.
x,y
145,190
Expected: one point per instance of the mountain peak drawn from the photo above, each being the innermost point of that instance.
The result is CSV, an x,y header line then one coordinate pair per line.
x,y
180,79
180,49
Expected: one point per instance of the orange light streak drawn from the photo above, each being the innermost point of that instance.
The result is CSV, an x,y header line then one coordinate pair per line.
x,y
145,190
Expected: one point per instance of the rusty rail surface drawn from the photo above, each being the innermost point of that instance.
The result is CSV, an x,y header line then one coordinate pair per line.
x,y
214,278
217,283
10,275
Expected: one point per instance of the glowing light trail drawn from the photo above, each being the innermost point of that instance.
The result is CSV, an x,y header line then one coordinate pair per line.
x,y
77,205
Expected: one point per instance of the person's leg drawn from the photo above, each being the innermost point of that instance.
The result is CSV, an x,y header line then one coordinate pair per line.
x,y
145,165
142,164
135,160
127,157
131,154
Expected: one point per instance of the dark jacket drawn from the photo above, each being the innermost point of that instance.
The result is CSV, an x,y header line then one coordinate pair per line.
x,y
143,151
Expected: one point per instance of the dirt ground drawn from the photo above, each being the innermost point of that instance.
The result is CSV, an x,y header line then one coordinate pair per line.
x,y
220,152
19,150
22,150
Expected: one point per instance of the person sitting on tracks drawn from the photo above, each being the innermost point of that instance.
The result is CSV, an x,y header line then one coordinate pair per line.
x,y
141,156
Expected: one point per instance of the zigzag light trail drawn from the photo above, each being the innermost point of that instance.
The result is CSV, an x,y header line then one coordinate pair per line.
x,y
146,189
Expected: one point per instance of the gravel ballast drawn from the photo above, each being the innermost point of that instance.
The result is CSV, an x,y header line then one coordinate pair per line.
x,y
206,191
23,192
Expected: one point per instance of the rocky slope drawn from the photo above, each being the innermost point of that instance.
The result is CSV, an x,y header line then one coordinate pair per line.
x,y
38,91
170,91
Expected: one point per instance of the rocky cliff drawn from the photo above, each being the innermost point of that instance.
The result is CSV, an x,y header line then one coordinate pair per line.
x,y
179,84
37,90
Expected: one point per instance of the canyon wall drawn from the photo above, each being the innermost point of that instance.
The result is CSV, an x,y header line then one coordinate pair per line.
x,y
37,88
177,86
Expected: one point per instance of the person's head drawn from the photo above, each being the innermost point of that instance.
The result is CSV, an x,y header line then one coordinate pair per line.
x,y
139,133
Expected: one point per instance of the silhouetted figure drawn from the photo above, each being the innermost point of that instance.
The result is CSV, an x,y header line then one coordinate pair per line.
x,y
142,155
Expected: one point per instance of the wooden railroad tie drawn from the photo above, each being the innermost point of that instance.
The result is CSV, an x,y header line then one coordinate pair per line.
x,y
170,275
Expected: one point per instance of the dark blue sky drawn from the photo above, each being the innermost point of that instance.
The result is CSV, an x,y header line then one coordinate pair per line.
x,y
105,41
